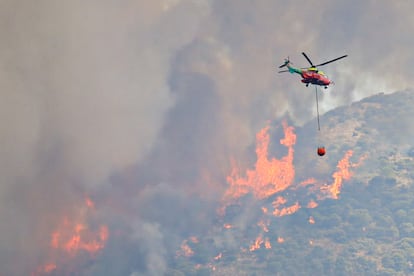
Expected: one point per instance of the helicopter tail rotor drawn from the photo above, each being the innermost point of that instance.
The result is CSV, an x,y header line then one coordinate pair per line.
x,y
285,63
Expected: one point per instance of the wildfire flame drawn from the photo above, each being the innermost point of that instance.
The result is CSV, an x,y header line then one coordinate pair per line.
x,y
267,244
274,179
77,240
218,257
312,204
264,225
227,226
89,203
45,269
269,176
194,239
340,175
73,236
186,249
286,210
257,243
311,220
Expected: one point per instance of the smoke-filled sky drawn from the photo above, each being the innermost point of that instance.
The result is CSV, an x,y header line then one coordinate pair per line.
x,y
141,105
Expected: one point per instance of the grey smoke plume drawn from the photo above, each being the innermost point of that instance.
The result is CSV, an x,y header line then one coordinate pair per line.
x,y
116,99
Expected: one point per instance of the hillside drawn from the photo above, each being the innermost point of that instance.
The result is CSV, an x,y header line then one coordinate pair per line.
x,y
380,127
368,229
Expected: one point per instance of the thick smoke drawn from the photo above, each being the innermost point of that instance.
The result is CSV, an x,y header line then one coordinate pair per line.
x,y
141,105
84,93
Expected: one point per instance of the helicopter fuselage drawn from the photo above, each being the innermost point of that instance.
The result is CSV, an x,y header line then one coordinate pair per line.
x,y
311,76
315,78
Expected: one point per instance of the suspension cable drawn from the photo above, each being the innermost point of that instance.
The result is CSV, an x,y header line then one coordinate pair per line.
x,y
317,107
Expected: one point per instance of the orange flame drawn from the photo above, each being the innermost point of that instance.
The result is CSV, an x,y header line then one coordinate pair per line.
x,y
342,173
269,176
267,244
227,226
274,178
193,239
46,269
218,257
286,210
89,203
264,225
49,268
257,243
311,220
73,236
309,181
80,239
312,204
186,249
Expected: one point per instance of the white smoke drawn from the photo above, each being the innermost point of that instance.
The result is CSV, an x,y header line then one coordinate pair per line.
x,y
95,89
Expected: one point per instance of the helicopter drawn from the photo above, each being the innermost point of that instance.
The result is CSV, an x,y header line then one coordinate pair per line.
x,y
310,75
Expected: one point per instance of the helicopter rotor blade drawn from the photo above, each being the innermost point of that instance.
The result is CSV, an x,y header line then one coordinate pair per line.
x,y
308,59
283,71
332,60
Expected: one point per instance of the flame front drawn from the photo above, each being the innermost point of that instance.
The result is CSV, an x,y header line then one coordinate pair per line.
x,y
186,249
272,184
280,212
81,239
71,237
257,243
341,174
269,176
